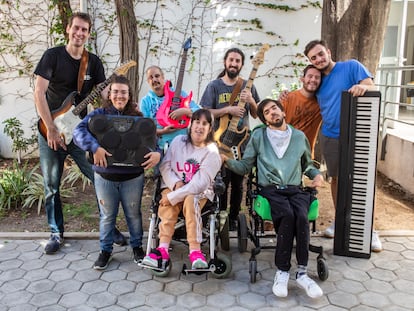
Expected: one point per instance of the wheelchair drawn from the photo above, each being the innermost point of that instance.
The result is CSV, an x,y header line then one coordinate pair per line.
x,y
215,232
254,228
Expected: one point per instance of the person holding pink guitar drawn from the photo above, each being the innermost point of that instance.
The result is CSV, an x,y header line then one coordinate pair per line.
x,y
152,102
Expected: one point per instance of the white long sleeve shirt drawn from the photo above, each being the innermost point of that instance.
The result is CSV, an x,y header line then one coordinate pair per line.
x,y
195,166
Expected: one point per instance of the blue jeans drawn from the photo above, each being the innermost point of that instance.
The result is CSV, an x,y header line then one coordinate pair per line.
x,y
109,195
51,164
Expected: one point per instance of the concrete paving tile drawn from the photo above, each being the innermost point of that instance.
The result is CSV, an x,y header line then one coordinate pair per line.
x,y
343,299
405,274
350,286
207,287
178,287
12,274
382,274
191,300
61,275
235,287
221,300
113,308
33,264
67,286
405,300
88,275
10,264
139,276
38,274
252,301
14,286
56,264
121,287
408,254
113,275
9,254
30,255
374,300
101,300
161,300
379,286
73,299
45,299
22,307
95,286
149,287
131,300
81,308
40,286
262,287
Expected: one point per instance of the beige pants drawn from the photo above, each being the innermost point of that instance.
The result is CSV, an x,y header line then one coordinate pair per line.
x,y
193,223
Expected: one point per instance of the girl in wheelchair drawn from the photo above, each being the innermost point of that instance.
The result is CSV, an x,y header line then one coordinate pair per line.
x,y
188,170
282,155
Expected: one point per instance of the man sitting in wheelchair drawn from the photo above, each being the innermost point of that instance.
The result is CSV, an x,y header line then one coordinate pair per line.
x,y
188,170
282,155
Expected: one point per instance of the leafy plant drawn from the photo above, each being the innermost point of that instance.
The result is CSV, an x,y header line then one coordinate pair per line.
x,y
74,175
13,129
12,184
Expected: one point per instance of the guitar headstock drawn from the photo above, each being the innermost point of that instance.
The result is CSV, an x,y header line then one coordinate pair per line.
x,y
123,69
187,44
259,57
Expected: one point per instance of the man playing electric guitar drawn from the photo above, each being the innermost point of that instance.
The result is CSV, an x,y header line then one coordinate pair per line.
x,y
56,77
217,97
151,102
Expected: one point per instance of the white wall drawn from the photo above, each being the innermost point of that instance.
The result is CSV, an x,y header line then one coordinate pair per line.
x,y
214,28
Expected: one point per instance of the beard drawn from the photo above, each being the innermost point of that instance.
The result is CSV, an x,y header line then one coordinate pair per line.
x,y
232,74
277,123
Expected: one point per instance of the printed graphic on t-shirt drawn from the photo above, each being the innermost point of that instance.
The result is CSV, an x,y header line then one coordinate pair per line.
x,y
188,169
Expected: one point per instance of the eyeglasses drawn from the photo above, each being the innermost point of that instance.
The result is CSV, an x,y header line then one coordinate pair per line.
x,y
116,92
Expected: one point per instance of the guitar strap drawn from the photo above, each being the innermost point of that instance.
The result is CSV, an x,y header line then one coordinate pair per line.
x,y
236,91
82,69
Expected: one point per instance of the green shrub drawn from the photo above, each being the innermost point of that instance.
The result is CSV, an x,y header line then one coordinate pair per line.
x,y
13,182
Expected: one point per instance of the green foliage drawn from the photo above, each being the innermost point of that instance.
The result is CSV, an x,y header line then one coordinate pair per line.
x,y
13,129
82,210
13,182
282,87
74,175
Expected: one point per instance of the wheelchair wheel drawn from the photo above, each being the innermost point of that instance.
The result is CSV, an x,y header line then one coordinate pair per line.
x,y
242,233
223,266
322,268
224,236
253,270
163,273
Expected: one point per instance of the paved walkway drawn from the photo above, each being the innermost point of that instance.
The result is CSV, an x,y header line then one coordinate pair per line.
x,y
31,280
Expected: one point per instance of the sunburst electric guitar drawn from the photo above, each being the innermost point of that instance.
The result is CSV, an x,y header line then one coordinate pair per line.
x,y
66,117
173,99
227,136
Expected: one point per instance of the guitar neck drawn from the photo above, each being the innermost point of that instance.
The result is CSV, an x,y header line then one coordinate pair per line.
x,y
177,92
96,93
235,120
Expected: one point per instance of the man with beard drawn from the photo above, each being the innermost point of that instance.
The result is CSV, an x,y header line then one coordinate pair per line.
x,y
302,108
348,75
216,98
282,155
151,102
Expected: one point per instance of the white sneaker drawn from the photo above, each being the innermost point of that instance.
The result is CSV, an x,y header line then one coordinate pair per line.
x,y
312,289
376,245
330,231
280,286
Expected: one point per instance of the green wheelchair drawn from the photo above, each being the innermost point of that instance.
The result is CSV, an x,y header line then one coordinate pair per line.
x,y
258,213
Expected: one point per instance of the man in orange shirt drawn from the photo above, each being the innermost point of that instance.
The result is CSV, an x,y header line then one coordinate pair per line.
x,y
302,108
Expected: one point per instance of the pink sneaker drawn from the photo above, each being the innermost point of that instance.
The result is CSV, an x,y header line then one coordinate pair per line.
x,y
156,258
198,261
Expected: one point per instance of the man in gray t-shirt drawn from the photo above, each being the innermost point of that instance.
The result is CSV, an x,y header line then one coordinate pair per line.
x,y
216,98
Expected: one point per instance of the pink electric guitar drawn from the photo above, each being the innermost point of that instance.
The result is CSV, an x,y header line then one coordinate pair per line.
x,y
173,99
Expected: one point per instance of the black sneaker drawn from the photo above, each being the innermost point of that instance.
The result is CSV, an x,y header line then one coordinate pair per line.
x,y
54,243
103,260
119,239
138,254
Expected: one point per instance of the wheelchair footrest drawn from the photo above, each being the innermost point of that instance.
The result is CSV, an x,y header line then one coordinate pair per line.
x,y
186,271
140,264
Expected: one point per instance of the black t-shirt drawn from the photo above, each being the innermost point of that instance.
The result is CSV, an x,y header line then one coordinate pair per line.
x,y
61,70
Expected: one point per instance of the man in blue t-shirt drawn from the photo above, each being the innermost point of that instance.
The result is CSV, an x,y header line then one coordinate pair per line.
x,y
349,75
